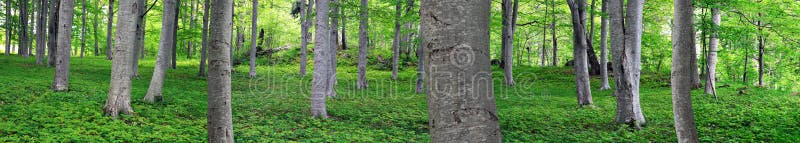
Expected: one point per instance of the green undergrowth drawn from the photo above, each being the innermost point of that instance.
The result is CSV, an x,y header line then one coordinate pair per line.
x,y
274,107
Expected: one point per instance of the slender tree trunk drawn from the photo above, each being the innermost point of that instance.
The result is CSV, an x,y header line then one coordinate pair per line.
x,y
253,40
554,30
204,42
334,46
154,93
363,45
344,28
711,75
109,29
696,83
220,125
190,48
581,68
320,83
119,93
507,42
94,34
543,50
305,35
604,48
23,33
83,27
396,42
458,118
8,28
174,46
594,64
41,31
625,39
761,65
61,80
683,47
744,69
52,32
139,40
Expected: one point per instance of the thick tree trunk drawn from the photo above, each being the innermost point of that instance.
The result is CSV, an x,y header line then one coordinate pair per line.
x,y
23,50
305,35
507,42
581,68
626,39
711,75
61,80
220,125
363,45
154,93
604,48
253,39
41,31
204,42
119,93
458,118
322,54
109,29
396,41
52,32
683,49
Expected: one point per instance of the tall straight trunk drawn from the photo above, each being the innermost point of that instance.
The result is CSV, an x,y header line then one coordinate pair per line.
x,y
744,69
711,75
508,43
41,31
138,44
761,65
683,47
604,48
581,69
554,30
204,42
61,79
109,29
154,93
220,125
83,27
626,39
119,93
464,116
52,32
334,47
190,46
8,28
23,32
94,34
344,28
696,83
253,44
593,62
305,35
396,41
320,87
363,45
174,46
543,50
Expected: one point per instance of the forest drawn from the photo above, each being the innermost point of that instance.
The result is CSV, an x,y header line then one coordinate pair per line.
x,y
399,71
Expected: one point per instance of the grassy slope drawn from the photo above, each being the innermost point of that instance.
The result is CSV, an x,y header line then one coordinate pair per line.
x,y
274,107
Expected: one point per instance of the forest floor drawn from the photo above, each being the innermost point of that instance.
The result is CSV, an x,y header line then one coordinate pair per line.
x,y
275,108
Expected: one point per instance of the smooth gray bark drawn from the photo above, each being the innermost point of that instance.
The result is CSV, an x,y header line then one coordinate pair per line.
x,y
455,40
683,47
320,87
604,48
363,45
154,92
334,46
711,75
204,42
508,42
41,31
396,41
306,36
109,29
253,39
119,93
625,39
61,79
220,125
581,68
138,44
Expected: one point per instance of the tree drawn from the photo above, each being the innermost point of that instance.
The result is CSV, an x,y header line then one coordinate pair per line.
x,y
305,35
8,28
625,40
83,27
604,48
174,45
363,45
396,41
461,105
711,74
320,84
553,27
138,43
23,33
507,42
52,32
94,33
61,78
41,31
581,68
119,94
154,93
108,29
334,45
204,42
253,40
683,47
220,126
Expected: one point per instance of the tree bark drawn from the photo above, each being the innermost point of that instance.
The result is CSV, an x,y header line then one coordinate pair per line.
x,y
456,45
139,41
61,80
554,30
220,125
83,27
581,68
363,45
52,32
154,92
23,32
41,31
8,28
305,35
711,75
683,47
396,41
94,34
508,42
626,39
604,48
109,29
320,84
119,93
174,46
334,46
204,42
253,40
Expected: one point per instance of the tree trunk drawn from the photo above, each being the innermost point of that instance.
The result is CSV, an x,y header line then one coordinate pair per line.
x,y
554,30
204,42
604,48
305,35
8,28
344,28
220,125
711,75
139,41
334,47
543,50
363,45
61,80
581,68
453,116
594,63
253,40
190,48
507,42
683,49
761,65
174,46
94,34
696,83
625,39
23,33
52,32
322,55
83,27
119,93
154,93
396,42
109,29
41,31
